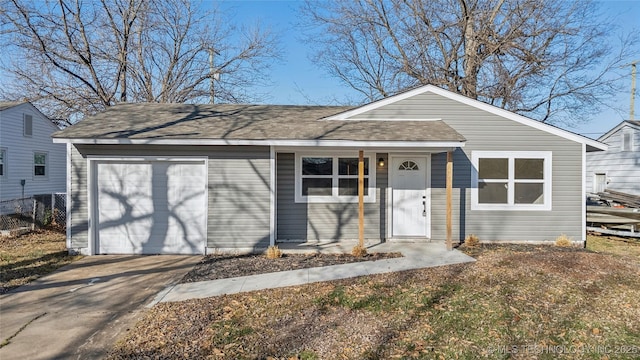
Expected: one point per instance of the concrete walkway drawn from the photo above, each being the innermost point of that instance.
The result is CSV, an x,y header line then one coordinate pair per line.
x,y
80,310
415,256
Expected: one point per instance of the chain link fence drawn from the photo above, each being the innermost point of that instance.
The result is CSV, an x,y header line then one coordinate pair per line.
x,y
36,212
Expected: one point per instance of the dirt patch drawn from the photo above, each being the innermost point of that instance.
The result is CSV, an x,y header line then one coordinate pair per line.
x,y
215,267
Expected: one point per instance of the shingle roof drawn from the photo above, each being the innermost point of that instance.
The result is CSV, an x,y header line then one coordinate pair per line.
x,y
9,104
247,122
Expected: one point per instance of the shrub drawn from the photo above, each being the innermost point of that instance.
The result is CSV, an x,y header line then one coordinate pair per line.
x,y
359,251
471,240
273,252
563,241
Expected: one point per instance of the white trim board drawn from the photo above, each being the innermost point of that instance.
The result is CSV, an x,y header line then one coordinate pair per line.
x,y
335,198
302,143
474,103
621,125
512,155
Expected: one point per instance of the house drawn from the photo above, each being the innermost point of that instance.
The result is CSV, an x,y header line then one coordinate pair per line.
x,y
177,178
618,168
30,163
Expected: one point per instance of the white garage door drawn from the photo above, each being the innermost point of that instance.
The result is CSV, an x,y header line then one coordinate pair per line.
x,y
151,207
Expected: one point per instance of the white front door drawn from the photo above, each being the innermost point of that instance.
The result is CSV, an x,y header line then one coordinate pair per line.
x,y
410,198
600,183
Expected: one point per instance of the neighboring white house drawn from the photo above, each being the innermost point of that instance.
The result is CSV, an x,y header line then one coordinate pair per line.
x,y
618,168
30,163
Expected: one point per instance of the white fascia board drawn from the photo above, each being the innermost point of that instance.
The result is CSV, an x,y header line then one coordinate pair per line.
x,y
302,143
617,128
474,103
380,103
389,119
39,113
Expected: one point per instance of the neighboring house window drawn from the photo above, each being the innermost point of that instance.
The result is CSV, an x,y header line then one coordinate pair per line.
x,y
627,141
3,162
28,125
518,180
40,164
324,178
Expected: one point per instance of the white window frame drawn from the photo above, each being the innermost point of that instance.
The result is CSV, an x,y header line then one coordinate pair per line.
x,y
3,161
511,156
335,198
46,165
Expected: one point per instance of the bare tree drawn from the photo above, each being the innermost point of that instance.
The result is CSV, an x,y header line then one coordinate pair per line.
x,y
551,60
76,57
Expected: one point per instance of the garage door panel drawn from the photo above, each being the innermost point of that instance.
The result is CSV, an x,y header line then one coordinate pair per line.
x,y
151,208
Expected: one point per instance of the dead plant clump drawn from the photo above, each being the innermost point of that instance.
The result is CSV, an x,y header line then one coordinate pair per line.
x,y
359,251
563,241
273,252
471,240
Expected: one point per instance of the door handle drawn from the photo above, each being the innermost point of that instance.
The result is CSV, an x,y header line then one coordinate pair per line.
x,y
424,208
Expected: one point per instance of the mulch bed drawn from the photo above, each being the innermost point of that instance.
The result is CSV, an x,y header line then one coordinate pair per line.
x,y
214,267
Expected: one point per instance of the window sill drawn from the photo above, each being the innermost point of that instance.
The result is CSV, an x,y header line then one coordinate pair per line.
x,y
504,207
333,200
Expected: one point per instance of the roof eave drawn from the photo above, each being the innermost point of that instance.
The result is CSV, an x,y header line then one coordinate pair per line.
x,y
265,142
471,102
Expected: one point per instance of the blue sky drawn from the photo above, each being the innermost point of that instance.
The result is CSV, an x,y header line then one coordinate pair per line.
x,y
296,80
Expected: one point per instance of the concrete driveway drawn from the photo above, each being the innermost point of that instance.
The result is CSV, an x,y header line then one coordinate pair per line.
x,y
79,311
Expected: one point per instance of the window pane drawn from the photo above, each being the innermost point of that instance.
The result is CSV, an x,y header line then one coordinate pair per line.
x,y
38,170
317,166
529,168
493,168
1,169
349,187
492,193
316,186
349,166
39,159
408,165
529,193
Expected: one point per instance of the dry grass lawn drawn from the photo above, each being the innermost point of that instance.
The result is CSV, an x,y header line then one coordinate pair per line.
x,y
522,302
27,257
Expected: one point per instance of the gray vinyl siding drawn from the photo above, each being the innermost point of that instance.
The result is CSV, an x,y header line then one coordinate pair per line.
x,y
622,168
485,131
325,221
77,209
238,190
239,198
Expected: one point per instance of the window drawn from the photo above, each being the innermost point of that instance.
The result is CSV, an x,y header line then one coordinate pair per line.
x,y
28,125
511,180
3,162
332,179
40,164
408,165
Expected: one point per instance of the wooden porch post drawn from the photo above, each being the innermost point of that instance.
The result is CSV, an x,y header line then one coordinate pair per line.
x,y
449,185
361,198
